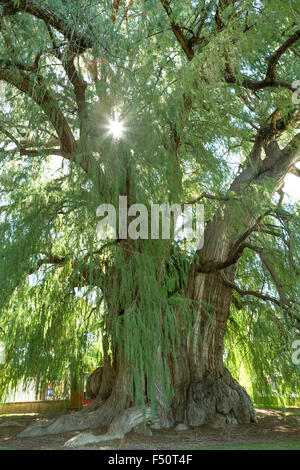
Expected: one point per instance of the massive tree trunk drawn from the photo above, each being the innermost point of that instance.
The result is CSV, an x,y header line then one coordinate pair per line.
x,y
205,391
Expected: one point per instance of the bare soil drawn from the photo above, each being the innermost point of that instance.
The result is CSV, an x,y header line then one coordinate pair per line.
x,y
273,427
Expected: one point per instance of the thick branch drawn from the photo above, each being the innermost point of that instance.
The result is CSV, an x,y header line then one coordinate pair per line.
x,y
43,97
270,75
186,46
265,261
79,40
295,171
248,83
223,4
207,196
85,273
269,80
22,146
67,60
283,161
256,85
243,292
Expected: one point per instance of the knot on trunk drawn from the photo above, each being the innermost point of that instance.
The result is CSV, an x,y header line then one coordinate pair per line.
x,y
100,383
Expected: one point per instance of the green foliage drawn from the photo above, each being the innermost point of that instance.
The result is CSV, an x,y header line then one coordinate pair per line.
x,y
68,298
259,337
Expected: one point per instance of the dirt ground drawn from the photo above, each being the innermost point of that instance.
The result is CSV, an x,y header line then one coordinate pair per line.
x,y
273,427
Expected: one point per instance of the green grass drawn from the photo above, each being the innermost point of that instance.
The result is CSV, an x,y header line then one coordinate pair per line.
x,y
288,445
5,448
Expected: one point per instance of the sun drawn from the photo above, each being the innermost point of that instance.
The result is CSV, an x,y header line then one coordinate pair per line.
x,y
116,128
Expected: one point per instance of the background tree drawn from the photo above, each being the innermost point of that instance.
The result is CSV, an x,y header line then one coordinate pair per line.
x,y
204,94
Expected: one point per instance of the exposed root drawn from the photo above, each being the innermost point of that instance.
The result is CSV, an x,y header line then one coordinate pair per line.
x,y
9,423
70,422
101,412
211,400
122,424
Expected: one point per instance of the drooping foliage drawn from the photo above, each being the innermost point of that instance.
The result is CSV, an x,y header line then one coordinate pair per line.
x,y
174,74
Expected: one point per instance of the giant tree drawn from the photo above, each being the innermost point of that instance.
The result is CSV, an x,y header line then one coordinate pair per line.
x,y
204,99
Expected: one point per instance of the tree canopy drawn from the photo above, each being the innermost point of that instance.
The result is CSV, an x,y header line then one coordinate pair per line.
x,y
206,94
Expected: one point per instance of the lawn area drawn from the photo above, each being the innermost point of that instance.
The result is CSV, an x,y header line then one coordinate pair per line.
x,y
274,430
289,445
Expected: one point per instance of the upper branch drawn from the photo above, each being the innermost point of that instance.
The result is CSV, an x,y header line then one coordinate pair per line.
x,y
265,261
269,80
244,292
222,5
36,89
67,60
295,171
79,40
270,75
185,44
283,161
248,83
